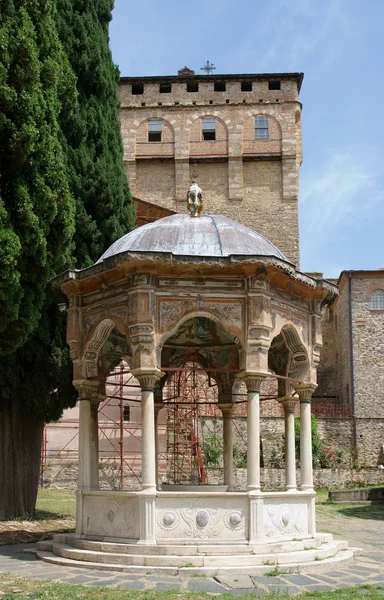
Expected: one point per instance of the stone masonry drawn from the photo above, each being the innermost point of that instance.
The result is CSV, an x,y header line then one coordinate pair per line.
x,y
360,360
253,181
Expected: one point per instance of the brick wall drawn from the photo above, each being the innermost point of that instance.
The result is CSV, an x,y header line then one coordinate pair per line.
x,y
252,181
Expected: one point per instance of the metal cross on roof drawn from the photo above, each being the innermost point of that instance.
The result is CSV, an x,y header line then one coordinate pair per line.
x,y
208,68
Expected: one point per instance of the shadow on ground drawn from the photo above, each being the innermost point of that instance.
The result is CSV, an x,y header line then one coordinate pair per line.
x,y
373,512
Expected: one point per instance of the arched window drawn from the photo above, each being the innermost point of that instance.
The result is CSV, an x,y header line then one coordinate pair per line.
x,y
377,300
261,128
155,128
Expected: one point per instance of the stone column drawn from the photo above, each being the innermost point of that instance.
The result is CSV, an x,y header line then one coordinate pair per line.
x,y
147,379
226,410
158,407
88,457
253,382
305,392
290,455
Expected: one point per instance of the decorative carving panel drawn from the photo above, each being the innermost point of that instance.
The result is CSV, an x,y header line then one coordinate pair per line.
x,y
202,518
111,516
229,312
282,519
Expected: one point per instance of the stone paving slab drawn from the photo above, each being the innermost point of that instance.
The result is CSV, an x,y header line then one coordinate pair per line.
x,y
367,568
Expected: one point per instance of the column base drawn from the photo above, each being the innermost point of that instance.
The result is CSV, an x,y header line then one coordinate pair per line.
x,y
253,488
306,488
290,488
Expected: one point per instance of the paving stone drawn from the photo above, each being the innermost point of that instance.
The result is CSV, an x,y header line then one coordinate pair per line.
x,y
201,584
265,580
167,586
132,585
320,587
337,574
235,581
81,579
253,590
301,580
100,583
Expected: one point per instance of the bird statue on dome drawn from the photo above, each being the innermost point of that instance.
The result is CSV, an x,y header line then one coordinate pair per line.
x,y
194,200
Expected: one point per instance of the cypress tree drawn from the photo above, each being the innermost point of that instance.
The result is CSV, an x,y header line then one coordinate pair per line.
x,y
36,230
35,380
92,133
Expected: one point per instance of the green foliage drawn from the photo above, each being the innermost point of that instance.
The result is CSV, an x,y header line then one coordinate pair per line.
x,y
36,208
329,458
63,115
213,450
277,458
91,130
59,131
239,457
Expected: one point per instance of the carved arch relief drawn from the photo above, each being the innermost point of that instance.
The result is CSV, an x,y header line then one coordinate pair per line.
x,y
231,332
92,348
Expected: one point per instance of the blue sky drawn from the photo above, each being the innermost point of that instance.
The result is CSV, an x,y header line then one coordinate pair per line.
x,y
339,45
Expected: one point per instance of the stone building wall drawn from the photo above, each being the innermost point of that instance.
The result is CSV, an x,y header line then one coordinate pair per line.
x,y
327,369
342,332
367,385
252,181
368,347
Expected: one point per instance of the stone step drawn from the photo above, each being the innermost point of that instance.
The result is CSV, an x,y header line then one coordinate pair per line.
x,y
188,549
211,560
340,559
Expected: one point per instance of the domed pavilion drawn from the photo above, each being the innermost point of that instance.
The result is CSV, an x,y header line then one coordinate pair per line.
x,y
208,285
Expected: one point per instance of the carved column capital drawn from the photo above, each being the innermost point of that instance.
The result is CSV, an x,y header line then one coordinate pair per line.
x,y
92,390
253,380
305,391
226,410
158,407
289,403
147,377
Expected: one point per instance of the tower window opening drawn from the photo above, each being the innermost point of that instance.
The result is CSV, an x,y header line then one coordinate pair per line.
x,y
274,85
261,128
219,86
377,300
165,88
137,89
192,86
246,86
127,412
155,128
208,128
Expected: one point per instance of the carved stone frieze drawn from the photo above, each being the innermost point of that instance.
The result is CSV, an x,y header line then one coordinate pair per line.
x,y
112,517
168,520
285,520
229,312
140,279
200,518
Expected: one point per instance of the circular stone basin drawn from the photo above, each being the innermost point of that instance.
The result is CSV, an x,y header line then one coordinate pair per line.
x,y
187,487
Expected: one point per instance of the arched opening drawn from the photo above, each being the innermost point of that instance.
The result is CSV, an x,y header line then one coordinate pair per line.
x,y
201,361
288,360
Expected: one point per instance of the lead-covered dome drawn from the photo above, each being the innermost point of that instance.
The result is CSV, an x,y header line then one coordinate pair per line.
x,y
205,236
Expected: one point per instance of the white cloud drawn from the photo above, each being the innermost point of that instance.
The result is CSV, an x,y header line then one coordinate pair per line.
x,y
338,195
302,29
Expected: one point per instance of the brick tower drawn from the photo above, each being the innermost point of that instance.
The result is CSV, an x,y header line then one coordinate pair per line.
x,y
240,134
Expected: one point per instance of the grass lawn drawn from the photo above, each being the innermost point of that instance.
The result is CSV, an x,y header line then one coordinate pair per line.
x,y
55,513
11,587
